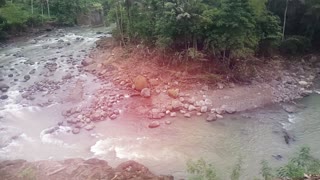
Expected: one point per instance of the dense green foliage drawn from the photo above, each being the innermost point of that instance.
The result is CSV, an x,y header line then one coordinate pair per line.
x,y
302,163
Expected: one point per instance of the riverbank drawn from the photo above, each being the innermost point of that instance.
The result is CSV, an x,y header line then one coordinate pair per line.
x,y
75,169
157,91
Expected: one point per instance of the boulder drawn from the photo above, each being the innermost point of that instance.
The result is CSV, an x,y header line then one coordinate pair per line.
x,y
140,82
145,92
174,93
211,117
154,124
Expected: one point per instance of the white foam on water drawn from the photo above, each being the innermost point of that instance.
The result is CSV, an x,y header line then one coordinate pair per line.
x,y
50,138
133,148
292,118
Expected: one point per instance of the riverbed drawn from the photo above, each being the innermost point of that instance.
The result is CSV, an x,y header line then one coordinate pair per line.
x,y
252,135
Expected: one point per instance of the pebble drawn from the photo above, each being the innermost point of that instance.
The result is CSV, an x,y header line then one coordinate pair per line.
x,y
154,124
187,115
173,114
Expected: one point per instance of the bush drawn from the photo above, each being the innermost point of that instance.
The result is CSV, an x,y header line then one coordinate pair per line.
x,y
295,45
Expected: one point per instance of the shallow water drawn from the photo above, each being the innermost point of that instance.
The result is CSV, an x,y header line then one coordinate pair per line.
x,y
253,135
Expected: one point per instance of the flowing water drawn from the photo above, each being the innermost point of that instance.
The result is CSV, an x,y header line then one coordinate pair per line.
x,y
253,135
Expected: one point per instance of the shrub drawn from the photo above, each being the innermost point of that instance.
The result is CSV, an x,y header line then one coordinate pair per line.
x,y
295,45
200,170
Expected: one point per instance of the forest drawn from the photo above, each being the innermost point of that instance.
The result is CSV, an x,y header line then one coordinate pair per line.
x,y
192,29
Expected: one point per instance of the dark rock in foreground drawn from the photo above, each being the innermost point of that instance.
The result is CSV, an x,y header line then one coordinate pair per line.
x,y
75,169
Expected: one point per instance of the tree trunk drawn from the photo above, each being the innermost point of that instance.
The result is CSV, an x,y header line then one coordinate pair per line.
x,y
31,6
285,20
48,7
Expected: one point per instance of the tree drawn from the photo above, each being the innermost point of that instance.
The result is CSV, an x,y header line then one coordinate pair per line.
x,y
285,19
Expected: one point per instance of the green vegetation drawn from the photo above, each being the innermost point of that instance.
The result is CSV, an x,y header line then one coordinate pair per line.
x,y
302,163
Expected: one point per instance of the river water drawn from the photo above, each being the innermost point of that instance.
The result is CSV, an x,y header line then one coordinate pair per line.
x,y
254,135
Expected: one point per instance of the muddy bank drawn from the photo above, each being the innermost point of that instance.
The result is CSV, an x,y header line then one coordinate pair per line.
x,y
77,169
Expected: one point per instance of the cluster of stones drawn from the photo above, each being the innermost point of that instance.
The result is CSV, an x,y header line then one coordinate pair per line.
x,y
188,107
101,109
47,86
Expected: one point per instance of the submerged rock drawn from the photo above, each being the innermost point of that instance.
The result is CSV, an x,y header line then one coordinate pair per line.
x,y
211,117
154,124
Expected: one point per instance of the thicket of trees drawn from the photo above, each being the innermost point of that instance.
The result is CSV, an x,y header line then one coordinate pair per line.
x,y
195,29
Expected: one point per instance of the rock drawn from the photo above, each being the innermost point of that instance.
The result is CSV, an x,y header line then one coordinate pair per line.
x,y
228,109
204,109
26,77
173,114
154,124
176,105
277,157
219,116
4,87
191,108
187,115
220,111
3,97
154,82
140,82
220,85
290,108
174,93
113,117
303,83
67,76
211,117
168,122
87,62
75,130
89,127
145,92
207,102
199,114
32,71
10,75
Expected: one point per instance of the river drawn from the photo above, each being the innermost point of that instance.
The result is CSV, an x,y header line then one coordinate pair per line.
x,y
253,135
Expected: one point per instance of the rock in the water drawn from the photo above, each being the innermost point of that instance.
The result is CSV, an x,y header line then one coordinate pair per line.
x,y
227,109
146,92
67,76
75,130
290,108
174,93
154,124
168,122
187,115
140,82
86,62
26,77
219,116
204,109
211,117
3,97
89,127
4,87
